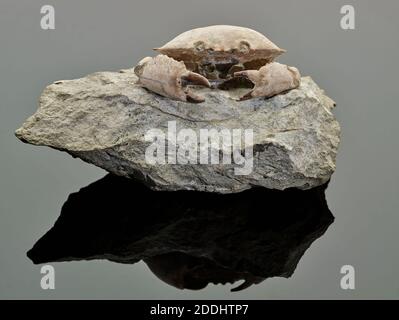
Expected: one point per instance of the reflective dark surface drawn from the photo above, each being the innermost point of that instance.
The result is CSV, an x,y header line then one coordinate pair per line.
x,y
188,239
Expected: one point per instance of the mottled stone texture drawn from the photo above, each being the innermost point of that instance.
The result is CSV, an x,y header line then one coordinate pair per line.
x,y
103,117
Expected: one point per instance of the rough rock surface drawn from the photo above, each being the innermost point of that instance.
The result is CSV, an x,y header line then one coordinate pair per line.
x,y
103,118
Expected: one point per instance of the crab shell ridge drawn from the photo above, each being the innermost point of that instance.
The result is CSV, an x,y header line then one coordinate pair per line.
x,y
221,43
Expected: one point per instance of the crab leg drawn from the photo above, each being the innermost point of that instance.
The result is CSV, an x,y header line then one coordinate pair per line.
x,y
270,80
169,78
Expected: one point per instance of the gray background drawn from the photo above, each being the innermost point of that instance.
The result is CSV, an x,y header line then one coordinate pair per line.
x,y
358,69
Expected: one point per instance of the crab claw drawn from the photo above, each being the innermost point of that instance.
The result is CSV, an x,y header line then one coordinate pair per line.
x,y
169,78
270,80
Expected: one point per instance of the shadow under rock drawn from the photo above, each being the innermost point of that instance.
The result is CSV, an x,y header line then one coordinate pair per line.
x,y
188,239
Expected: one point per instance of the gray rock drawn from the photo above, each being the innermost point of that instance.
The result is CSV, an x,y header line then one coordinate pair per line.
x,y
103,119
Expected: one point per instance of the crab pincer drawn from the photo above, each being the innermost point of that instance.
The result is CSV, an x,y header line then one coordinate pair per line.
x,y
270,80
170,78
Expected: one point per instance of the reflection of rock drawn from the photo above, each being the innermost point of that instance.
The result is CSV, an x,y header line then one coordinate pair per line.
x,y
103,118
188,239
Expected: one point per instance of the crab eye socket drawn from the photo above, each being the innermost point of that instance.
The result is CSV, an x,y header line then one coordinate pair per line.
x,y
199,46
244,46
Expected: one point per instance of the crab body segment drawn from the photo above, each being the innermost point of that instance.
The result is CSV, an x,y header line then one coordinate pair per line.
x,y
218,56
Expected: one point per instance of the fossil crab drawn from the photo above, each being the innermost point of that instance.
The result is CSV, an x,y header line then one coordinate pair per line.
x,y
218,56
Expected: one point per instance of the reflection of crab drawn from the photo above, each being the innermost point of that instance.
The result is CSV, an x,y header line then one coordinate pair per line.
x,y
184,271
218,57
